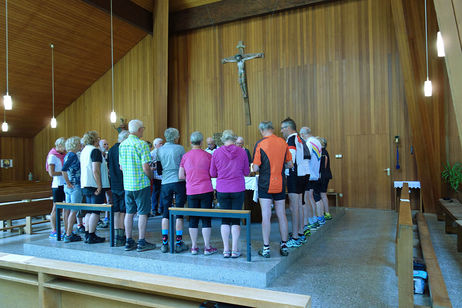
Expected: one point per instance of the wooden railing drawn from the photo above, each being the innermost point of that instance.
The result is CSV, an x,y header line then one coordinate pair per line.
x,y
35,282
404,251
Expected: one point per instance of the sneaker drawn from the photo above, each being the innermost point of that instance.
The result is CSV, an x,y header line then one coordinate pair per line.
x,y
99,224
235,254
327,216
143,245
164,248
95,239
120,241
195,251
292,243
81,229
210,251
303,239
130,244
284,251
265,252
180,247
321,220
72,238
226,254
307,232
53,235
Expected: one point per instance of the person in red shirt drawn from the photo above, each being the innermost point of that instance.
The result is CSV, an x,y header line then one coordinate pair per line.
x,y
271,157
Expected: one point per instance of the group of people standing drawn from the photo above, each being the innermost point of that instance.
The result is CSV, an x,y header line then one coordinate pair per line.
x,y
298,164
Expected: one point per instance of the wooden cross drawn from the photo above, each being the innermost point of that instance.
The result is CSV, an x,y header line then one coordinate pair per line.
x,y
240,59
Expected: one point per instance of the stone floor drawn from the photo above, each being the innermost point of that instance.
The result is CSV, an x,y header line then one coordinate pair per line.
x,y
351,263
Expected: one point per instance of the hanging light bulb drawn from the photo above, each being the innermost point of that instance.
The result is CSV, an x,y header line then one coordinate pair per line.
x,y
113,117
440,45
427,83
4,127
428,88
53,122
7,101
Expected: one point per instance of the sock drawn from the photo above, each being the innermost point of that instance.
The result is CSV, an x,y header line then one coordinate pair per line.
x,y
164,236
179,236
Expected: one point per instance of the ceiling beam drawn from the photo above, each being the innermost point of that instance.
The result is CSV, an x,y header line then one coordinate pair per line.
x,y
127,11
230,10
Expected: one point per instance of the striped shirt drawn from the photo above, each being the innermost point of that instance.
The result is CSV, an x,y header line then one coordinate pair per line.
x,y
133,153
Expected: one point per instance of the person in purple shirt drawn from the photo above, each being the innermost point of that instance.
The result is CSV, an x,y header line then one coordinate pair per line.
x,y
230,165
194,167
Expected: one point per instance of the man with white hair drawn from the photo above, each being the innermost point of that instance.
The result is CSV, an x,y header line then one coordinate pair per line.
x,y
157,181
211,146
314,216
240,143
169,157
117,188
134,161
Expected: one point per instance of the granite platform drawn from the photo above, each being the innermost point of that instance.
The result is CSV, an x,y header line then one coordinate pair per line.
x,y
259,273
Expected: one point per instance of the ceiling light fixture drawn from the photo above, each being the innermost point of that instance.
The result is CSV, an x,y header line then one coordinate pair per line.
x,y
427,83
113,116
440,45
4,124
53,122
7,101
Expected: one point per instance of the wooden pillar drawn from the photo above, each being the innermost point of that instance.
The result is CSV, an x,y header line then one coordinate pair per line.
x,y
449,14
48,298
160,65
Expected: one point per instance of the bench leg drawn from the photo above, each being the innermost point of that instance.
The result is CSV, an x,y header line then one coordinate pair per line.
x,y
448,224
58,224
171,224
459,239
9,224
248,225
111,227
28,228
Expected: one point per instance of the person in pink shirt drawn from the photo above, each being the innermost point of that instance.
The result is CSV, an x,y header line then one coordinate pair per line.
x,y
230,165
194,167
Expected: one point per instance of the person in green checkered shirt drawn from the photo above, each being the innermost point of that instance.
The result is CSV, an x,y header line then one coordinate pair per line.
x,y
134,159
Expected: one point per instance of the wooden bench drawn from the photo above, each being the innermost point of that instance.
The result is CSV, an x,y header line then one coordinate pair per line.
x,y
452,211
85,207
438,292
36,282
459,235
334,194
404,251
214,213
24,209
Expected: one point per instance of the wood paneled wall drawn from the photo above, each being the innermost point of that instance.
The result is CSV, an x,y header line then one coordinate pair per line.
x,y
334,68
20,150
133,80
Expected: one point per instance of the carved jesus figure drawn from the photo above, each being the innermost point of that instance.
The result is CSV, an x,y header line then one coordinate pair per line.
x,y
240,60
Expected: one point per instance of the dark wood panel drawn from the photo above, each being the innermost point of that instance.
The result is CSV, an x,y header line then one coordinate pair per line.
x,y
20,150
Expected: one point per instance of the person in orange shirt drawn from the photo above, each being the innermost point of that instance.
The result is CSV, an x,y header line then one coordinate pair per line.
x,y
271,157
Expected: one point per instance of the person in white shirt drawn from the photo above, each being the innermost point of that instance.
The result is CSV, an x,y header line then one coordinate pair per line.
x,y
313,204
54,165
211,146
156,208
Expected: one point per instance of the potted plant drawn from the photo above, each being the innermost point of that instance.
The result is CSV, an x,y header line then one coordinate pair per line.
x,y
453,175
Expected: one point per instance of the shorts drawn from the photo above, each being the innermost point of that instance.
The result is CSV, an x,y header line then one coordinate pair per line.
x,y
263,194
324,184
316,187
118,201
58,194
91,198
138,201
296,184
203,201
73,195
166,197
231,201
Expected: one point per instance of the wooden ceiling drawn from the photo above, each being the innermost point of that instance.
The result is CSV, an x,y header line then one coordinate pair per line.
x,y
81,35
80,32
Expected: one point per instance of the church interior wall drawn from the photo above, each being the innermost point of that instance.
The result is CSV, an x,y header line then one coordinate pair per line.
x,y
333,67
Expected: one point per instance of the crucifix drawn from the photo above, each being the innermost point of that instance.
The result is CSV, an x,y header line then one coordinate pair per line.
x,y
240,59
